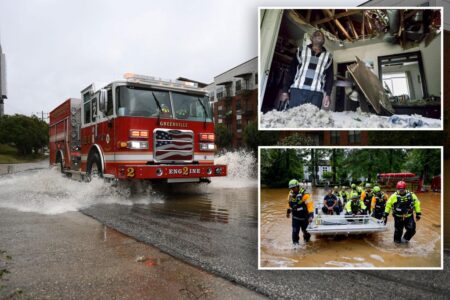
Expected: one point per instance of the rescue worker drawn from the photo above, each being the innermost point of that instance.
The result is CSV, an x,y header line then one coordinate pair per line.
x,y
302,209
379,200
339,198
330,203
356,189
344,195
403,203
366,197
355,206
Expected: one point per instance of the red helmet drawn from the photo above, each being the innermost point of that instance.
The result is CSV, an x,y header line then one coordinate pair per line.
x,y
401,185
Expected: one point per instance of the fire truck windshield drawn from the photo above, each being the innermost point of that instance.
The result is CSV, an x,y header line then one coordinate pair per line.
x,y
191,107
138,102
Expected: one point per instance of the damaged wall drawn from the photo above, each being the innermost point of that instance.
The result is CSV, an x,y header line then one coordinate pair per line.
x,y
431,61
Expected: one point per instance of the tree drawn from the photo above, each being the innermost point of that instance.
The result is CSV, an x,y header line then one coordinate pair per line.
x,y
223,136
27,134
254,138
278,166
297,140
425,162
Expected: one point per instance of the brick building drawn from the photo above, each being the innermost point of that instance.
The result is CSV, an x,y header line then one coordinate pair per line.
x,y
234,98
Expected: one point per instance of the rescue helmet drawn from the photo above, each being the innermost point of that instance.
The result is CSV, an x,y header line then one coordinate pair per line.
x,y
336,187
368,186
355,196
293,183
376,189
401,185
353,185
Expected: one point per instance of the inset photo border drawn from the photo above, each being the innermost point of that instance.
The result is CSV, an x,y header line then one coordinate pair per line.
x,y
350,68
333,208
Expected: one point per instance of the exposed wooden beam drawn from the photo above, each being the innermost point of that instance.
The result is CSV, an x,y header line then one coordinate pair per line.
x,y
339,25
369,27
362,27
336,16
333,28
353,28
308,15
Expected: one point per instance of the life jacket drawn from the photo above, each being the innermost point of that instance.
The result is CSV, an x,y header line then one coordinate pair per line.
x,y
380,203
355,206
343,195
299,208
358,191
404,205
367,199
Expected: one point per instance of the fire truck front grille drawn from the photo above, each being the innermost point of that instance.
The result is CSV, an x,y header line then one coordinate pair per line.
x,y
172,146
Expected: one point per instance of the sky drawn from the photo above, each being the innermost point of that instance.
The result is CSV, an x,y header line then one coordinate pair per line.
x,y
56,48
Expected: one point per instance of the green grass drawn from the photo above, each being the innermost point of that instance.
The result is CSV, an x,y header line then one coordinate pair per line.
x,y
8,155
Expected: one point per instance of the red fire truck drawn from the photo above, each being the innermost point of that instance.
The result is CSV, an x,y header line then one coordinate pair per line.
x,y
137,128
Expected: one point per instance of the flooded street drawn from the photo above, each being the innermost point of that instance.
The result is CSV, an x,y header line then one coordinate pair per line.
x,y
371,250
212,227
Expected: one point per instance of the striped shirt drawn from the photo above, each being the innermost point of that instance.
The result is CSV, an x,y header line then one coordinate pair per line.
x,y
310,71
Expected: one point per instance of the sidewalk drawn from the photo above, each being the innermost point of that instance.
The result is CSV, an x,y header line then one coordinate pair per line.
x,y
14,168
71,256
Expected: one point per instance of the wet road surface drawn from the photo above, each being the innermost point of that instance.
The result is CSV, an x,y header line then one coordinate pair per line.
x,y
72,256
363,251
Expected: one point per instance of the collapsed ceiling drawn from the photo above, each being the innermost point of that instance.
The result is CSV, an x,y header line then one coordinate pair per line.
x,y
406,27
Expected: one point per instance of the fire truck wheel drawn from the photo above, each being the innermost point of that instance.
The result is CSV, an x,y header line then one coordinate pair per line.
x,y
94,168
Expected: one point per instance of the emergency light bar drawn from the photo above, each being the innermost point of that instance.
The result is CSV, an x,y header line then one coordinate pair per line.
x,y
159,81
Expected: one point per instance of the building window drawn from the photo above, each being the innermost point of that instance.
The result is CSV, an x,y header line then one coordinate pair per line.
x,y
335,137
239,125
256,78
238,105
219,95
238,85
246,84
228,90
354,137
397,83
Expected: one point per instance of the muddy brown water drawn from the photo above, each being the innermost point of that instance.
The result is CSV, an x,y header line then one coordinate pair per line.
x,y
371,250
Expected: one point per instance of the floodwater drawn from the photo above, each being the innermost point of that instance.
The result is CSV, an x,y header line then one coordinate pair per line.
x,y
365,251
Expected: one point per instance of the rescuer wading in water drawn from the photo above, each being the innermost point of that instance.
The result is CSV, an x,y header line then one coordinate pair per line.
x,y
403,204
302,209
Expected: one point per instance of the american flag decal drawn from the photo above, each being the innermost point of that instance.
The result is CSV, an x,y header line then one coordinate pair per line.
x,y
173,145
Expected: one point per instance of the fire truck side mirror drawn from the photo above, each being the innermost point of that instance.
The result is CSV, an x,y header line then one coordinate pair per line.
x,y
103,103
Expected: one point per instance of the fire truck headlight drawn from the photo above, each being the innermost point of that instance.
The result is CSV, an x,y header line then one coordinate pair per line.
x,y
209,171
218,171
159,172
137,145
207,147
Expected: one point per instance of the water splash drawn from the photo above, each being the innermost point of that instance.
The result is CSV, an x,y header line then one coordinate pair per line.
x,y
242,170
49,192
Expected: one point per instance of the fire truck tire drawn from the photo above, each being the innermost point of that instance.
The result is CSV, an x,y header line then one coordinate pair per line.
x,y
94,167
